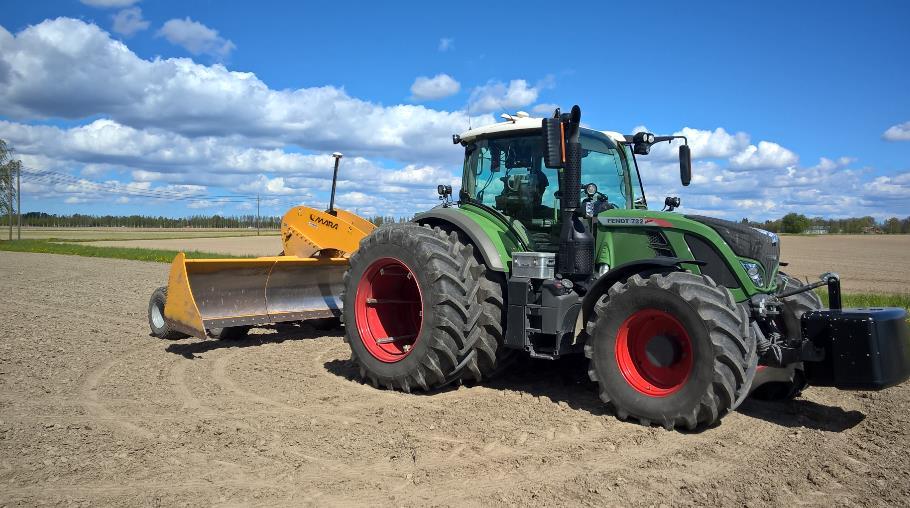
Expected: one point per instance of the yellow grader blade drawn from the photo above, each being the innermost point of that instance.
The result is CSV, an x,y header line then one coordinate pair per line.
x,y
217,293
307,231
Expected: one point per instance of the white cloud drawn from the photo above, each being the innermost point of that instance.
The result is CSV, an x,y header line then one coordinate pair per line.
x,y
437,87
446,44
544,109
129,21
766,155
894,187
105,4
57,64
196,38
497,96
176,125
899,132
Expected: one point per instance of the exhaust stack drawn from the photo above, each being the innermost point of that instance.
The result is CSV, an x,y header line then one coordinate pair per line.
x,y
563,150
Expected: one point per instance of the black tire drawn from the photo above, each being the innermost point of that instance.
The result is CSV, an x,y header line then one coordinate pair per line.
x,y
791,313
486,325
457,336
325,324
229,332
157,324
797,305
781,391
723,352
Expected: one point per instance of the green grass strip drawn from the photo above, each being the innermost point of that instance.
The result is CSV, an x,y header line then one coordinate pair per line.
x,y
130,238
132,253
869,300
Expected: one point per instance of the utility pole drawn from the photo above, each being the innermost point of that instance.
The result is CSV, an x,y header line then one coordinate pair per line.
x,y
18,201
257,214
9,186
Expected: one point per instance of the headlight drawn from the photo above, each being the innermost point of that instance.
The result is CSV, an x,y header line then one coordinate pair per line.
x,y
591,189
755,272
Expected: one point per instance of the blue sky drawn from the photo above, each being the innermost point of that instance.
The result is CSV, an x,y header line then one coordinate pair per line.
x,y
791,106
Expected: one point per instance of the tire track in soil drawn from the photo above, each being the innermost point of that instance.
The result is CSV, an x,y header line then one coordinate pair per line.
x,y
219,374
88,395
177,380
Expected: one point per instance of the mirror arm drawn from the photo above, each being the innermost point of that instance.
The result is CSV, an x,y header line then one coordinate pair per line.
x,y
659,139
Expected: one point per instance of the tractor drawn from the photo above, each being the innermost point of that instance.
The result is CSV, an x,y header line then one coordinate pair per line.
x,y
549,249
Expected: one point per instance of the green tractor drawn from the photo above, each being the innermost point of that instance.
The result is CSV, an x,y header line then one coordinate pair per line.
x,y
551,250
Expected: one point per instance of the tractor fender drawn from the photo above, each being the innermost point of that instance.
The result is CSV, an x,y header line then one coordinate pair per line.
x,y
451,217
624,271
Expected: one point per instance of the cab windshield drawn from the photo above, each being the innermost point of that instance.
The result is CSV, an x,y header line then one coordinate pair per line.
x,y
508,174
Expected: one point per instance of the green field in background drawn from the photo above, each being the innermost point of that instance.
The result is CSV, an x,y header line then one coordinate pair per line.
x,y
869,300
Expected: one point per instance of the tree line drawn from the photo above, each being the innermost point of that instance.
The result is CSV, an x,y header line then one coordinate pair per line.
x,y
790,223
41,219
76,220
797,223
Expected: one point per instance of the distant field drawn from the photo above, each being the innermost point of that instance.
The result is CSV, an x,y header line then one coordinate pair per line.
x,y
866,263
877,264
269,245
87,234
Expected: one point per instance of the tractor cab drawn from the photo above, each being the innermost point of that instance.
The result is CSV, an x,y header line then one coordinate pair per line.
x,y
506,172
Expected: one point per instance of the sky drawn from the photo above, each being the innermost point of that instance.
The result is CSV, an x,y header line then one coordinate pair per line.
x,y
179,108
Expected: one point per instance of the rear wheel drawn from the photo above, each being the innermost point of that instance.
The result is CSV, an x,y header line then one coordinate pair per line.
x,y
414,309
672,349
157,323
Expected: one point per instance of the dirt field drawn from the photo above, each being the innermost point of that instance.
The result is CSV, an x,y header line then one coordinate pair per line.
x,y
94,411
867,264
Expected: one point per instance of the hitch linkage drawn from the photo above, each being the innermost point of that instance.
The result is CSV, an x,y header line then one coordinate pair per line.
x,y
832,280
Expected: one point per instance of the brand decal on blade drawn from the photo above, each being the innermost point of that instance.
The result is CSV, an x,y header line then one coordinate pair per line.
x,y
325,222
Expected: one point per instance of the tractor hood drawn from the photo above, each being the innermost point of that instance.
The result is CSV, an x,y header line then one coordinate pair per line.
x,y
746,241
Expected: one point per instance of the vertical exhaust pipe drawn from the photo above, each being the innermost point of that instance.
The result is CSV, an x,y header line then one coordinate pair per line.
x,y
331,209
576,247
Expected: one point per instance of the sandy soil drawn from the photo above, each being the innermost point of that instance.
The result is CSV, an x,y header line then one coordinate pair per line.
x,y
93,411
866,263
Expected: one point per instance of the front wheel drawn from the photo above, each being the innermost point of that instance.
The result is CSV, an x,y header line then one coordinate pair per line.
x,y
673,349
157,323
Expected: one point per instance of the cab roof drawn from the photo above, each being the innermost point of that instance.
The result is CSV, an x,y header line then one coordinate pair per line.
x,y
520,121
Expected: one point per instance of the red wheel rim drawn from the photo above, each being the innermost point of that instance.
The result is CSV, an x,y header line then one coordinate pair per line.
x,y
654,352
388,309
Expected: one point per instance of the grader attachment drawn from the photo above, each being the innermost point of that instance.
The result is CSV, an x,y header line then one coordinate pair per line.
x,y
205,294
304,282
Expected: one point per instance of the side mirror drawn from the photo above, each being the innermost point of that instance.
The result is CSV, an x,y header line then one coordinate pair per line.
x,y
685,165
553,143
